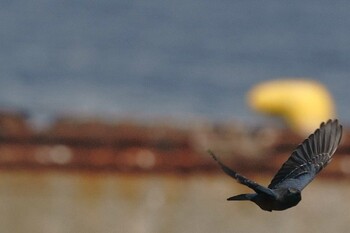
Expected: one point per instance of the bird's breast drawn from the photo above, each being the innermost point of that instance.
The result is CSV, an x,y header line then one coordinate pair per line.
x,y
280,203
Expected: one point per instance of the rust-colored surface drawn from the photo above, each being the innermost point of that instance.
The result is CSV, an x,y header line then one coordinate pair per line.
x,y
73,144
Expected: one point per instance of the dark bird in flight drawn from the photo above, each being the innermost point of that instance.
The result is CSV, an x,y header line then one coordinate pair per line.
x,y
308,159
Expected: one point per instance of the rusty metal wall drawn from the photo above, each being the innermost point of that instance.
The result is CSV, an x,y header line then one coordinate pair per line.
x,y
161,147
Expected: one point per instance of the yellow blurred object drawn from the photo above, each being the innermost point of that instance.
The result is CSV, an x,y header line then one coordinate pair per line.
x,y
304,104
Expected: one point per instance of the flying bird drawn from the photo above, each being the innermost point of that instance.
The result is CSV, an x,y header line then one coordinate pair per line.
x,y
308,159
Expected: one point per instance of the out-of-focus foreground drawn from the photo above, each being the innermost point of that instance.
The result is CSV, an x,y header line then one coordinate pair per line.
x,y
93,176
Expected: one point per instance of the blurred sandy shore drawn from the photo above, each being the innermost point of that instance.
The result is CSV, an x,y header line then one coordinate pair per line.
x,y
163,203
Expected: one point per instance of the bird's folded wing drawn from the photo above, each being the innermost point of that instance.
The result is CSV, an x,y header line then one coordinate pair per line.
x,y
309,157
243,180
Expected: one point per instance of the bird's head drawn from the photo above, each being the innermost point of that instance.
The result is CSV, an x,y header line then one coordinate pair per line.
x,y
294,194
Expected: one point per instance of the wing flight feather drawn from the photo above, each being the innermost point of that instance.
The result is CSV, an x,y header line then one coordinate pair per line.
x,y
311,156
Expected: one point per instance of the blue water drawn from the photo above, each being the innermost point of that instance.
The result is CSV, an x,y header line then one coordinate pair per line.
x,y
187,58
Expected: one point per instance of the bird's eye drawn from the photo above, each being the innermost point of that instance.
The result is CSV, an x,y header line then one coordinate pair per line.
x,y
292,190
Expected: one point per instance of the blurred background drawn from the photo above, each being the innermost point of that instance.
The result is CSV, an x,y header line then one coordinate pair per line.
x,y
107,109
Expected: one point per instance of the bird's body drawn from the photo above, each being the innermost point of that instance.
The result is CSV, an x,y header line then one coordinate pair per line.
x,y
284,199
309,158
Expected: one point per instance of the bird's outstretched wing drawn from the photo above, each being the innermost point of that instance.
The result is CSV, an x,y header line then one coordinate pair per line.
x,y
313,154
243,180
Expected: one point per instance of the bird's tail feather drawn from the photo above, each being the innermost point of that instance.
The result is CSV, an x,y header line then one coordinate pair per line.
x,y
242,197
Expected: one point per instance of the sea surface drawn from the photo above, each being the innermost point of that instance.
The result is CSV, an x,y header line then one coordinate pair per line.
x,y
179,59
